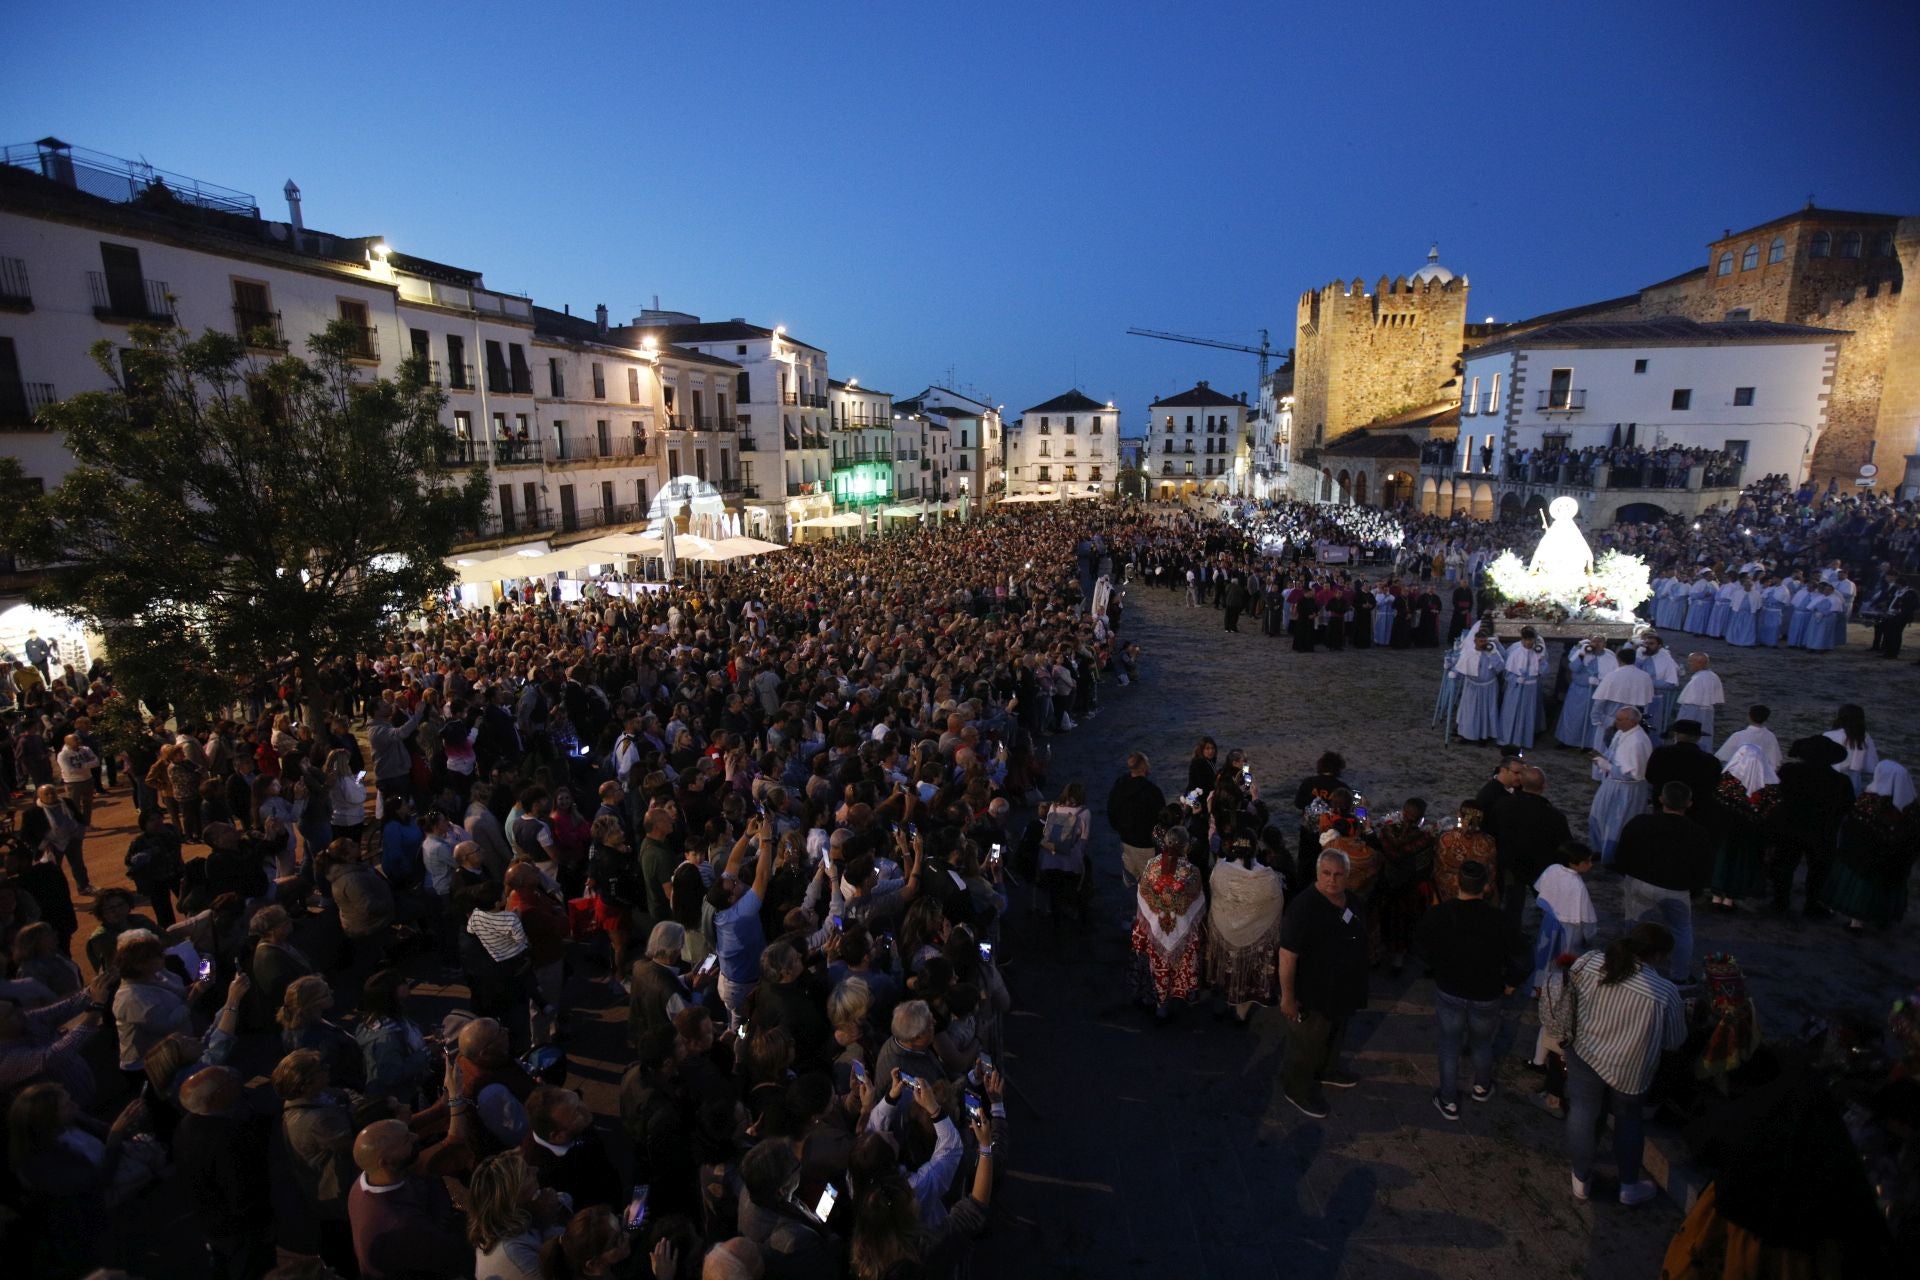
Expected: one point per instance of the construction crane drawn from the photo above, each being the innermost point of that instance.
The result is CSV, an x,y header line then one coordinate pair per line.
x,y
1265,350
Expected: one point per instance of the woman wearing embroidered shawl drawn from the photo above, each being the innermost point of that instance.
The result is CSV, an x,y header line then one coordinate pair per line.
x,y
1169,926
1243,929
1748,794
1878,840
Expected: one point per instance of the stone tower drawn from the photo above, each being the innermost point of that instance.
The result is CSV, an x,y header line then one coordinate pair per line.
x,y
1363,356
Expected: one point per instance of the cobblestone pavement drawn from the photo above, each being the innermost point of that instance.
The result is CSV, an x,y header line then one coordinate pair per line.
x,y
1171,1151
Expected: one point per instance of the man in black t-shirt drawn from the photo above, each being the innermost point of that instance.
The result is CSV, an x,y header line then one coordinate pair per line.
x,y
1323,982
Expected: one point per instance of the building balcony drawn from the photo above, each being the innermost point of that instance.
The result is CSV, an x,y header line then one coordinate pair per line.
x,y
748,444
517,453
21,403
711,423
455,452
1563,400
460,376
814,402
363,342
601,517
594,447
814,440
789,398
804,488
509,524
128,300
260,330
509,382
15,293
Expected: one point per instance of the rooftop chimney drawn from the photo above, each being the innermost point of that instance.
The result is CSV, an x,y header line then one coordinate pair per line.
x,y
600,317
293,208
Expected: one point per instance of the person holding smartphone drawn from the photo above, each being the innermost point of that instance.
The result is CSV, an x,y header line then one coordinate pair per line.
x,y
739,937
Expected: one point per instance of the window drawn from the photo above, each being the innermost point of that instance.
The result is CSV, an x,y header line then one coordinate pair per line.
x,y
457,375
1743,396
522,375
126,286
1683,398
1850,245
1822,245
1493,396
1738,448
1473,398
1046,473
530,499
462,425
1093,473
1739,314
1096,424
1559,388
1777,251
1069,424
422,343
253,317
1639,366
1726,264
606,499
1046,448
568,516
497,377
599,381
556,378
354,313
1883,245
673,463
640,495
633,385
1750,257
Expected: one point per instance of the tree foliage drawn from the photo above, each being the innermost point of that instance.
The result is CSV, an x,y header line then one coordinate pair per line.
x,y
228,512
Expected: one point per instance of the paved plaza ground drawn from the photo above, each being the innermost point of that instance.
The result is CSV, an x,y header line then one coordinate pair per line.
x,y
1170,1152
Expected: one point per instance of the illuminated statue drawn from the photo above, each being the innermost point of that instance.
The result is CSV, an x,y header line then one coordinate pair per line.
x,y
1563,548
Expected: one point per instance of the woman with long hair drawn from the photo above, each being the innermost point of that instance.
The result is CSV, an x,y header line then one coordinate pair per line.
x,y
1201,767
393,1047
507,1218
304,1025
1063,856
1850,731
1627,1015
1878,840
596,1244
346,797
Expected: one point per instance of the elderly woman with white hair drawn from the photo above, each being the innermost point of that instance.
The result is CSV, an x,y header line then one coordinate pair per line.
x,y
1622,774
1878,840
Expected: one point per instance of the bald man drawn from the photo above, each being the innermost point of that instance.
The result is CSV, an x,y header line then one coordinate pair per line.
x,y
220,1152
403,1223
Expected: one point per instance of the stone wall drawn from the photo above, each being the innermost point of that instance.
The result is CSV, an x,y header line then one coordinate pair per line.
x,y
1897,427
1361,356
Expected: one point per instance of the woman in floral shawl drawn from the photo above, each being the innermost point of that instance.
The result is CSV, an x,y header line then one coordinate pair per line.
x,y
1868,882
1406,878
1169,926
1749,790
1243,928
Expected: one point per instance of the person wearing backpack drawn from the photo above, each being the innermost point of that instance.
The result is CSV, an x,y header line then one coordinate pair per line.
x,y
1063,856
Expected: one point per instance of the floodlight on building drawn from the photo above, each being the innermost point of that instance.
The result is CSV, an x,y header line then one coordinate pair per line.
x,y
381,249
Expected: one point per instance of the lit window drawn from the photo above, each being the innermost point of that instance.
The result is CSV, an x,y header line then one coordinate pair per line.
x,y
1493,396
1473,398
1750,258
1777,251
1726,264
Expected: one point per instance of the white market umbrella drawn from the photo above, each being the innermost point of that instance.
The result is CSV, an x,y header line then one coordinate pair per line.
x,y
738,547
667,552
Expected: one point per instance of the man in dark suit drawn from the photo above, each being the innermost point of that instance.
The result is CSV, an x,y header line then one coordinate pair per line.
x,y
562,1147
1682,760
1526,830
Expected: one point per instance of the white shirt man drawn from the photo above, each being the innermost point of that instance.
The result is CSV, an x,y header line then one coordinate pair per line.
x,y
1754,735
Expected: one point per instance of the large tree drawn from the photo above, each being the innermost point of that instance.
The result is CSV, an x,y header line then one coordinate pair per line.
x,y
229,512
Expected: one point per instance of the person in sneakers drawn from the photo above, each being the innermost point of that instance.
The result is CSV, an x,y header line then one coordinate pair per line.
x,y
1474,952
1627,1016
1323,982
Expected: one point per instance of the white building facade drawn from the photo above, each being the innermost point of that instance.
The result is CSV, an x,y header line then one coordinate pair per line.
x,y
1611,413
1066,446
1197,445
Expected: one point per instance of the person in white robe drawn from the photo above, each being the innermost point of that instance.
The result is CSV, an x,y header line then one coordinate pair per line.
x,y
1625,686
1743,625
1800,615
1771,626
1702,696
1382,617
1657,661
1477,670
1700,603
1621,771
1669,603
1588,662
1863,756
1722,609
1755,735
1526,661
1825,621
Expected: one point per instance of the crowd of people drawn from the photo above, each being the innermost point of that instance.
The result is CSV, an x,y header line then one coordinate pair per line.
x,y
776,813
770,813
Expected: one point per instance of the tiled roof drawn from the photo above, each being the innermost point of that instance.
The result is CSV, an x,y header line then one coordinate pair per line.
x,y
1660,331
1071,402
1201,396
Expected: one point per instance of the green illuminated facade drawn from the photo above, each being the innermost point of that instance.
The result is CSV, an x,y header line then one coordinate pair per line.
x,y
861,484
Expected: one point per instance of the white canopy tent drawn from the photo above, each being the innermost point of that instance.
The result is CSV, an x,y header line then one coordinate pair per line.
x,y
523,566
845,520
739,547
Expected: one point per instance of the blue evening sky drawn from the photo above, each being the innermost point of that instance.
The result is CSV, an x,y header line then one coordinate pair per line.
x,y
1000,190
